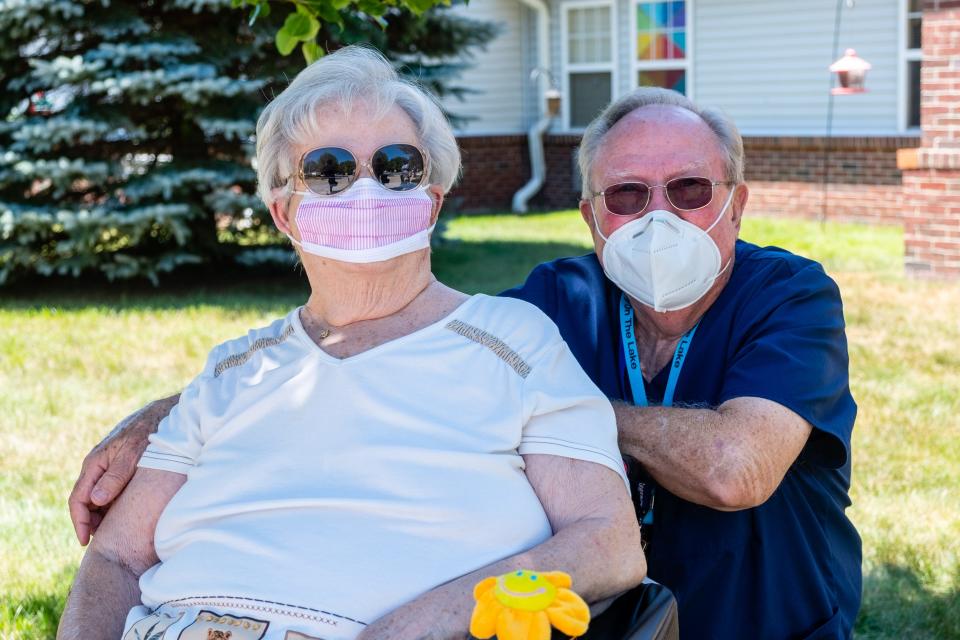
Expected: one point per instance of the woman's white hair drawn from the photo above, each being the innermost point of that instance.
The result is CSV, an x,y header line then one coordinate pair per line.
x,y
342,79
722,126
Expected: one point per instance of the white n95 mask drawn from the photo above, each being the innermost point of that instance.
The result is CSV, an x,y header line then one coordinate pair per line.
x,y
661,260
365,223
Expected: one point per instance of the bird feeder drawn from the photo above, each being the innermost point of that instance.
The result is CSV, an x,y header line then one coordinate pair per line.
x,y
851,72
553,102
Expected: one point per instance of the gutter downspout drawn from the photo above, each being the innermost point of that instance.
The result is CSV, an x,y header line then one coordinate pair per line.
x,y
538,166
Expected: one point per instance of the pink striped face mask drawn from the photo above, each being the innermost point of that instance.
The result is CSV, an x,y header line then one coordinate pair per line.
x,y
365,223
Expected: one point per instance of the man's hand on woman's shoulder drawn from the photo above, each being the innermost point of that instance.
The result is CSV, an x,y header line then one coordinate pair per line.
x,y
109,466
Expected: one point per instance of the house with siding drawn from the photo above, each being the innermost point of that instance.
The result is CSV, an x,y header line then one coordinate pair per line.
x,y
764,62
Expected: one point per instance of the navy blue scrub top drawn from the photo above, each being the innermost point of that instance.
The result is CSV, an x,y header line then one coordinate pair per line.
x,y
790,568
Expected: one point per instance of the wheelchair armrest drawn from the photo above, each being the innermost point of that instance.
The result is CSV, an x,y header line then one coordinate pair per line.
x,y
646,612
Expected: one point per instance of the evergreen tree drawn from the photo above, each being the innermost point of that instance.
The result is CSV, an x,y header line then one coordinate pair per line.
x,y
127,143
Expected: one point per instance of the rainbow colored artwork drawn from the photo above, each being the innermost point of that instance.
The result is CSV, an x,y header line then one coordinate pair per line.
x,y
662,30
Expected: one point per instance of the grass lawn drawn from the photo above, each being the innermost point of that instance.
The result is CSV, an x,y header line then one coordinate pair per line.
x,y
73,361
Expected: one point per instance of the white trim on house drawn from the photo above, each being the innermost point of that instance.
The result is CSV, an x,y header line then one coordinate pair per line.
x,y
636,66
566,68
905,56
902,65
542,13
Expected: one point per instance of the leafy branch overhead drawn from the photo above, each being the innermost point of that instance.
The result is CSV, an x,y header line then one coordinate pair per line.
x,y
301,26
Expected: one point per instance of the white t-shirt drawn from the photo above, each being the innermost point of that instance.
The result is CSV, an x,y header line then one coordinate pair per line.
x,y
350,486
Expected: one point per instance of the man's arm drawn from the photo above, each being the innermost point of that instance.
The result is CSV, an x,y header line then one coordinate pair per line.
x,y
728,459
596,540
106,584
109,466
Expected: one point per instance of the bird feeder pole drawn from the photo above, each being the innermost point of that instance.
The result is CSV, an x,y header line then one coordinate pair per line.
x,y
850,72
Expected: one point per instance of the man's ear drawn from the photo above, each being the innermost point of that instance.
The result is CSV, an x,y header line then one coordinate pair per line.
x,y
586,212
739,204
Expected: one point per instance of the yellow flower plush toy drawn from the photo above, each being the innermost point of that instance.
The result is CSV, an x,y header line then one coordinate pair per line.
x,y
521,605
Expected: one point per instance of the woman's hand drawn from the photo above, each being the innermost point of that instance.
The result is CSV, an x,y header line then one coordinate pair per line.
x,y
109,466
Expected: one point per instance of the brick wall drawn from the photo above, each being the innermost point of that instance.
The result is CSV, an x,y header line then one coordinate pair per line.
x,y
932,223
494,168
931,173
850,179
786,175
563,179
940,75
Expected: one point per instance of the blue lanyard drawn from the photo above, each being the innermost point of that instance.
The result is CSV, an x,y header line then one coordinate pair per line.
x,y
632,358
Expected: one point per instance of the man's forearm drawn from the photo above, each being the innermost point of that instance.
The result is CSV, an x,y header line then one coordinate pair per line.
x,y
730,458
163,406
680,448
111,464
98,603
147,418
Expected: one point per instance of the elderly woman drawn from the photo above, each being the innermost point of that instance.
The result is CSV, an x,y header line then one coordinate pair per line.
x,y
354,468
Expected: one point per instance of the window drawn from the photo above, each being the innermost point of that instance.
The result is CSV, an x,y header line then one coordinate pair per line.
x,y
588,58
912,57
662,39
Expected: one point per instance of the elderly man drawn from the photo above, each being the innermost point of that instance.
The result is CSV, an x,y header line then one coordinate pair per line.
x,y
731,364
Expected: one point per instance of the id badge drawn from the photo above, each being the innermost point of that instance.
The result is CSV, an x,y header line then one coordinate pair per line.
x,y
644,492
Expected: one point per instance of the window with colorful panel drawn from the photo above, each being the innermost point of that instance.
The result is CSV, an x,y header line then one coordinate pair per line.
x,y
661,48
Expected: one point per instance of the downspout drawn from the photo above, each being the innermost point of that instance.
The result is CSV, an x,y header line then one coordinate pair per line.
x,y
538,165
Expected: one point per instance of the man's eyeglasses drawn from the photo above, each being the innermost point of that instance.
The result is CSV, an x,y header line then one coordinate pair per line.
x,y
631,198
327,171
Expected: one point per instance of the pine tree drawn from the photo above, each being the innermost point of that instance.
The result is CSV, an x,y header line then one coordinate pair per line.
x,y
127,144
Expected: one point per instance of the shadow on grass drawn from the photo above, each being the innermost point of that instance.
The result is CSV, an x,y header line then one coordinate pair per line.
x,y
472,267
897,604
233,288
492,266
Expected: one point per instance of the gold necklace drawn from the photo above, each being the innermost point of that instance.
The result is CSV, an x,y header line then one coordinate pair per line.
x,y
324,331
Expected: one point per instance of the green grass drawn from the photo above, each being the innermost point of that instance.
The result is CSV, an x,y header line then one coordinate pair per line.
x,y
73,360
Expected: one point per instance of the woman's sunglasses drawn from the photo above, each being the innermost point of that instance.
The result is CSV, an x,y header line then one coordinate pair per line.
x,y
327,171
631,198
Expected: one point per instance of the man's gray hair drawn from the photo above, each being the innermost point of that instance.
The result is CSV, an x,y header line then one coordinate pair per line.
x,y
727,133
342,80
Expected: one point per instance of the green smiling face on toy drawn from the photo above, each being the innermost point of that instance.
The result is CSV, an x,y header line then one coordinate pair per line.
x,y
525,590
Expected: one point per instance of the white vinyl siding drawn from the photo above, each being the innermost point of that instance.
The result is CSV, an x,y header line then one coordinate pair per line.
x,y
765,63
506,100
